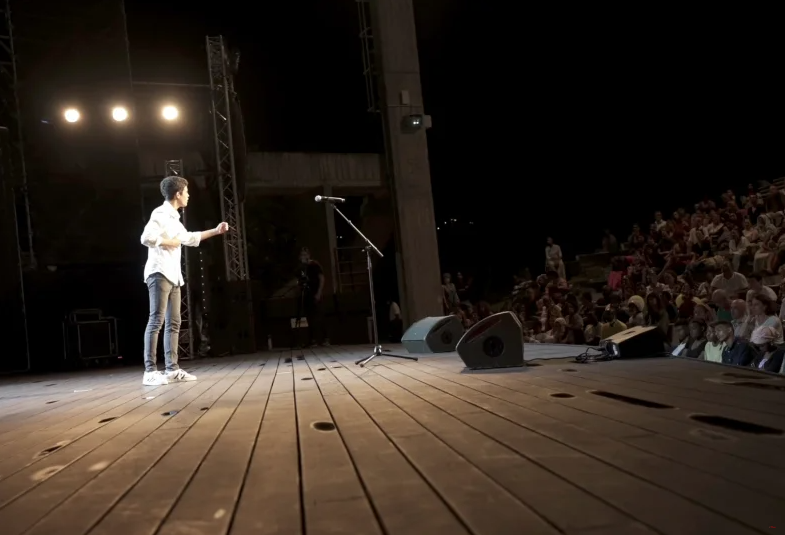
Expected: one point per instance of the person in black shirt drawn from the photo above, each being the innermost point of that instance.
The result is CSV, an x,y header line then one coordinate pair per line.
x,y
312,281
737,351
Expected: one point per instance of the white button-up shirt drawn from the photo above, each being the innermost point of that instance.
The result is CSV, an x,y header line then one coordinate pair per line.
x,y
165,224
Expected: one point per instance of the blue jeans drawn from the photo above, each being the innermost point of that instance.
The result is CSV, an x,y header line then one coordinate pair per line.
x,y
164,308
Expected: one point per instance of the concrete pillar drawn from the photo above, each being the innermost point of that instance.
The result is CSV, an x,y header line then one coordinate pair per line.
x,y
407,168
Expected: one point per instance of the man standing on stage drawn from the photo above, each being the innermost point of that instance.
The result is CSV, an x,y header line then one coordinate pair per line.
x,y
312,297
164,235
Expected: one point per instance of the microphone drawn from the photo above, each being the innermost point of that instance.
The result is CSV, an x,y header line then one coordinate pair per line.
x,y
321,198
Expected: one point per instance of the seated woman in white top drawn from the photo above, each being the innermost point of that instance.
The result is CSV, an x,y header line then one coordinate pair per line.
x,y
769,355
762,314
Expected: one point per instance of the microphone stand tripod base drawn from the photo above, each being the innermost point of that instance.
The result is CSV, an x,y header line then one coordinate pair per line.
x,y
377,348
379,352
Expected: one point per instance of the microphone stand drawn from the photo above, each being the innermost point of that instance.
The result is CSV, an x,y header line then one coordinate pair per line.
x,y
378,351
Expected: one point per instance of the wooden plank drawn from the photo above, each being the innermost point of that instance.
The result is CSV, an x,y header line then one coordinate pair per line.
x,y
704,384
677,441
661,421
685,407
269,502
30,399
30,474
62,384
23,452
98,394
535,486
12,388
483,505
663,483
334,499
733,460
419,447
71,425
208,503
53,413
404,501
144,508
115,484
76,465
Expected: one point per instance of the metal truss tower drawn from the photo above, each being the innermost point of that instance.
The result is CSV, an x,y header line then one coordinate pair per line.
x,y
10,118
369,55
222,93
186,345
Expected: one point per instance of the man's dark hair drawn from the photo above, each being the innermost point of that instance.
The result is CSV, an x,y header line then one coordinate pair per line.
x,y
769,306
172,185
721,323
757,276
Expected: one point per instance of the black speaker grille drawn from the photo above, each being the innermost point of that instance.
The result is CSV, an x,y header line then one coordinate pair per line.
x,y
446,337
493,346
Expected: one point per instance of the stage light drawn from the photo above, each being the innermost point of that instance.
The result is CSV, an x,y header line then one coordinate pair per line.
x,y
119,114
170,113
71,115
412,123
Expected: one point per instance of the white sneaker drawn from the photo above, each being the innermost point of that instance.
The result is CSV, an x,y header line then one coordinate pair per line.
x,y
179,375
154,379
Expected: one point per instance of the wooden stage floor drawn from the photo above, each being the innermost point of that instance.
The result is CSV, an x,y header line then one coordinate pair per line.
x,y
259,445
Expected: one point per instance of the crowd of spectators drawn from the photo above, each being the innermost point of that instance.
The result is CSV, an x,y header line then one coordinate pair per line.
x,y
709,279
459,297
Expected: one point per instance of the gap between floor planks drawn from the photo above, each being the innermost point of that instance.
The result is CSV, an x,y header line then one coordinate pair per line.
x,y
484,482
402,500
657,423
699,383
37,436
714,491
683,406
89,474
637,426
487,416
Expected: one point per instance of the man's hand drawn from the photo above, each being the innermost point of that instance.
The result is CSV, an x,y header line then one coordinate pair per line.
x,y
170,243
222,228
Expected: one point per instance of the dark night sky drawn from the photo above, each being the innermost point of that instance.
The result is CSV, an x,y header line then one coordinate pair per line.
x,y
569,123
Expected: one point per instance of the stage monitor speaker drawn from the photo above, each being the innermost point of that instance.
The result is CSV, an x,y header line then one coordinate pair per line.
x,y
635,343
494,342
433,335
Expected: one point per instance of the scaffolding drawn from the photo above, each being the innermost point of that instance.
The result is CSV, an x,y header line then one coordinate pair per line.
x,y
10,117
369,55
186,342
222,94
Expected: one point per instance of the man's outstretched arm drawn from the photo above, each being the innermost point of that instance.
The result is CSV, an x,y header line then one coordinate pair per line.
x,y
193,239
